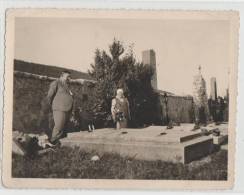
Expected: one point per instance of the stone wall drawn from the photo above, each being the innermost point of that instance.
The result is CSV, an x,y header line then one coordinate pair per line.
x,y
30,91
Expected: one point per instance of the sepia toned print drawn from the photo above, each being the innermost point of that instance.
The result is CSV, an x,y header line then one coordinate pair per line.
x,y
140,99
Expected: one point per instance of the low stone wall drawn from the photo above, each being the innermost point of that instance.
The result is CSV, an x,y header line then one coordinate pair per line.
x,y
29,92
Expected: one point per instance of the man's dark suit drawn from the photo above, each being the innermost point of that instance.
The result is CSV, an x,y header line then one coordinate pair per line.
x,y
61,99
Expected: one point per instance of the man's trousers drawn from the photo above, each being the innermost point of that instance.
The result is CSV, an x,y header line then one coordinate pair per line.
x,y
60,120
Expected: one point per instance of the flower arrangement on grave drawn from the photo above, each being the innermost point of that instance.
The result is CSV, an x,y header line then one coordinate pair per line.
x,y
31,145
119,116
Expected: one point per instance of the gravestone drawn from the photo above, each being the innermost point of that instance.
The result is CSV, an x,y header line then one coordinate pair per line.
x,y
200,99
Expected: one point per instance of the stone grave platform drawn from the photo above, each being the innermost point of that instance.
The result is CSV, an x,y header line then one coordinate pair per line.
x,y
223,137
179,144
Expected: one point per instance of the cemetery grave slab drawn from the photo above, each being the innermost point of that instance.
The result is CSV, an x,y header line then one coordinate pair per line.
x,y
179,144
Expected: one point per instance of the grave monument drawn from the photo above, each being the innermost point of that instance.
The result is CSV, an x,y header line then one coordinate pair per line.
x,y
213,92
200,99
149,58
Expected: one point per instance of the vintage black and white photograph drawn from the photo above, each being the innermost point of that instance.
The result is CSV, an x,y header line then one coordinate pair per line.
x,y
121,95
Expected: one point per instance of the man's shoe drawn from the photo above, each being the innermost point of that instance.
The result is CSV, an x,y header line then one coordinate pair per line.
x,y
55,142
63,135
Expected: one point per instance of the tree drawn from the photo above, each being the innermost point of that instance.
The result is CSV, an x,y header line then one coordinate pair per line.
x,y
119,69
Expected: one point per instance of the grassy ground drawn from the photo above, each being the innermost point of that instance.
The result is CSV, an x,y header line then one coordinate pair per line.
x,y
74,163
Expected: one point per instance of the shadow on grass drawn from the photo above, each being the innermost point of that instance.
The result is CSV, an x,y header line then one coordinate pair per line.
x,y
75,163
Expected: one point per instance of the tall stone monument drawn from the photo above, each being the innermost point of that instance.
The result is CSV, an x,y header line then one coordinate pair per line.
x,y
213,92
200,99
149,58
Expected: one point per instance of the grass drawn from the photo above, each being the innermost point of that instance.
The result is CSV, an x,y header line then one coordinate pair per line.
x,y
75,163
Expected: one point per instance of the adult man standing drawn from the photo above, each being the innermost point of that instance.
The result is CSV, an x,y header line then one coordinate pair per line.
x,y
61,99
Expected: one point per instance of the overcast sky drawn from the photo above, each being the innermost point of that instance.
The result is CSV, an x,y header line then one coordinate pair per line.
x,y
180,46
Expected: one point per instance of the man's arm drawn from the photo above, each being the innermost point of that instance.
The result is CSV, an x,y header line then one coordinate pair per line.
x,y
52,92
